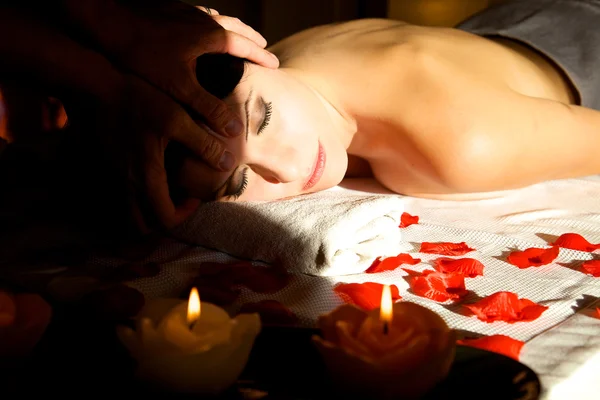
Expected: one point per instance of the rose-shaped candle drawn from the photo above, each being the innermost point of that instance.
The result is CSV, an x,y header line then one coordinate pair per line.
x,y
190,347
24,318
400,350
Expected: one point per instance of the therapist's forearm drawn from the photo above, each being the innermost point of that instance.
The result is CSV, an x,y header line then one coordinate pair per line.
x,y
37,52
107,23
103,22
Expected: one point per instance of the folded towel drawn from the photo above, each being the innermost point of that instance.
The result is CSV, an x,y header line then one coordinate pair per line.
x,y
326,233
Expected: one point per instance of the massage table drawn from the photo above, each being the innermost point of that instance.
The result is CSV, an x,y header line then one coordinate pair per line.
x,y
562,346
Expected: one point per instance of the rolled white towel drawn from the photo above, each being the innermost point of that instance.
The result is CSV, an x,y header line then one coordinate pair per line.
x,y
326,233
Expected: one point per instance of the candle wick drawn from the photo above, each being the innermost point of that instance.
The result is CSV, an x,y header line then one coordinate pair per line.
x,y
386,328
191,326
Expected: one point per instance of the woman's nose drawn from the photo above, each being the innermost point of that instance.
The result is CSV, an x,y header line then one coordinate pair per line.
x,y
280,165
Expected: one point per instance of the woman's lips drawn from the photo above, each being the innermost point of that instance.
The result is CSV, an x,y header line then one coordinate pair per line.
x,y
318,169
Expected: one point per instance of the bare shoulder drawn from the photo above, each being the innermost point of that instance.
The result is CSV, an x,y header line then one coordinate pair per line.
x,y
341,35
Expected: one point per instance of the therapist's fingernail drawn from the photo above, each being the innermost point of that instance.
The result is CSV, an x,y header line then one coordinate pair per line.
x,y
227,161
234,127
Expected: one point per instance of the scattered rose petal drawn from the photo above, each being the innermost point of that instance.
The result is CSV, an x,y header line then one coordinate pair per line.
x,y
221,296
271,312
468,267
507,307
575,241
131,271
215,268
258,279
114,303
8,309
591,267
500,344
531,310
446,248
407,220
365,295
597,312
437,286
533,257
391,263
267,280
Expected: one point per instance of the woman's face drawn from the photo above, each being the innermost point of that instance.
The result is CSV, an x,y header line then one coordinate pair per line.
x,y
290,145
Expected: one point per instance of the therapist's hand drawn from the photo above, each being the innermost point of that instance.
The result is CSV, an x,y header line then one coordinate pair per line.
x,y
160,40
168,40
128,133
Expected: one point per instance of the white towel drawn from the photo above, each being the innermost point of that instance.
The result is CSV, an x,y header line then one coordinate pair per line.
x,y
326,233
561,347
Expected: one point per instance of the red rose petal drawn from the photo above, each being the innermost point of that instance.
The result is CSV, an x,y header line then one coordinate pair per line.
x,y
267,280
446,248
8,309
437,286
533,257
391,263
468,267
597,312
365,295
407,220
591,267
507,307
530,310
257,279
221,296
501,306
271,312
500,344
575,241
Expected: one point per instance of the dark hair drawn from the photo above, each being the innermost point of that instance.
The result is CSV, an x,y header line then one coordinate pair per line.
x,y
218,74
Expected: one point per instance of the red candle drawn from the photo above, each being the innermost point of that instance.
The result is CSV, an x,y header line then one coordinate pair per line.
x,y
24,318
399,350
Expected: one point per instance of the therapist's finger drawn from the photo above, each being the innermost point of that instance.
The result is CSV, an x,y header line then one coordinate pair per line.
x,y
157,191
209,11
237,26
196,137
226,41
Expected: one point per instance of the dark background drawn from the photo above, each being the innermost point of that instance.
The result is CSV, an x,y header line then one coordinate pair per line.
x,y
276,19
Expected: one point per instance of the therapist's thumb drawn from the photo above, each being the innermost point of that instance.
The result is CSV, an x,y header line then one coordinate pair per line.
x,y
204,145
217,114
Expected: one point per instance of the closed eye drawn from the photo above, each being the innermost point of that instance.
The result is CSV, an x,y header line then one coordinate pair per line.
x,y
234,186
267,111
241,186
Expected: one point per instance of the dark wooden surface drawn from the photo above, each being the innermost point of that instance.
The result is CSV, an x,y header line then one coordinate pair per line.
x,y
78,358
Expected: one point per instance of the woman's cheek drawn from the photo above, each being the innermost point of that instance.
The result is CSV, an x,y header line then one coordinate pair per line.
x,y
261,190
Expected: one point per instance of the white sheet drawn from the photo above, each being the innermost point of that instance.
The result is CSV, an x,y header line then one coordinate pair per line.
x,y
562,346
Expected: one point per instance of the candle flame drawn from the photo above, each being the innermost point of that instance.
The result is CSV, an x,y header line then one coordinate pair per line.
x,y
385,311
193,311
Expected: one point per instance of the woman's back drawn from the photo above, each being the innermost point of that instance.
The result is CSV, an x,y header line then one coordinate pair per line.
x,y
432,112
388,48
406,86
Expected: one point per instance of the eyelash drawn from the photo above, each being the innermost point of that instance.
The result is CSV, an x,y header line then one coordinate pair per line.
x,y
263,125
267,119
243,185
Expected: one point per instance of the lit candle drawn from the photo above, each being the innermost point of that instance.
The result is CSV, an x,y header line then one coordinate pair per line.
x,y
193,309
190,347
385,311
401,350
